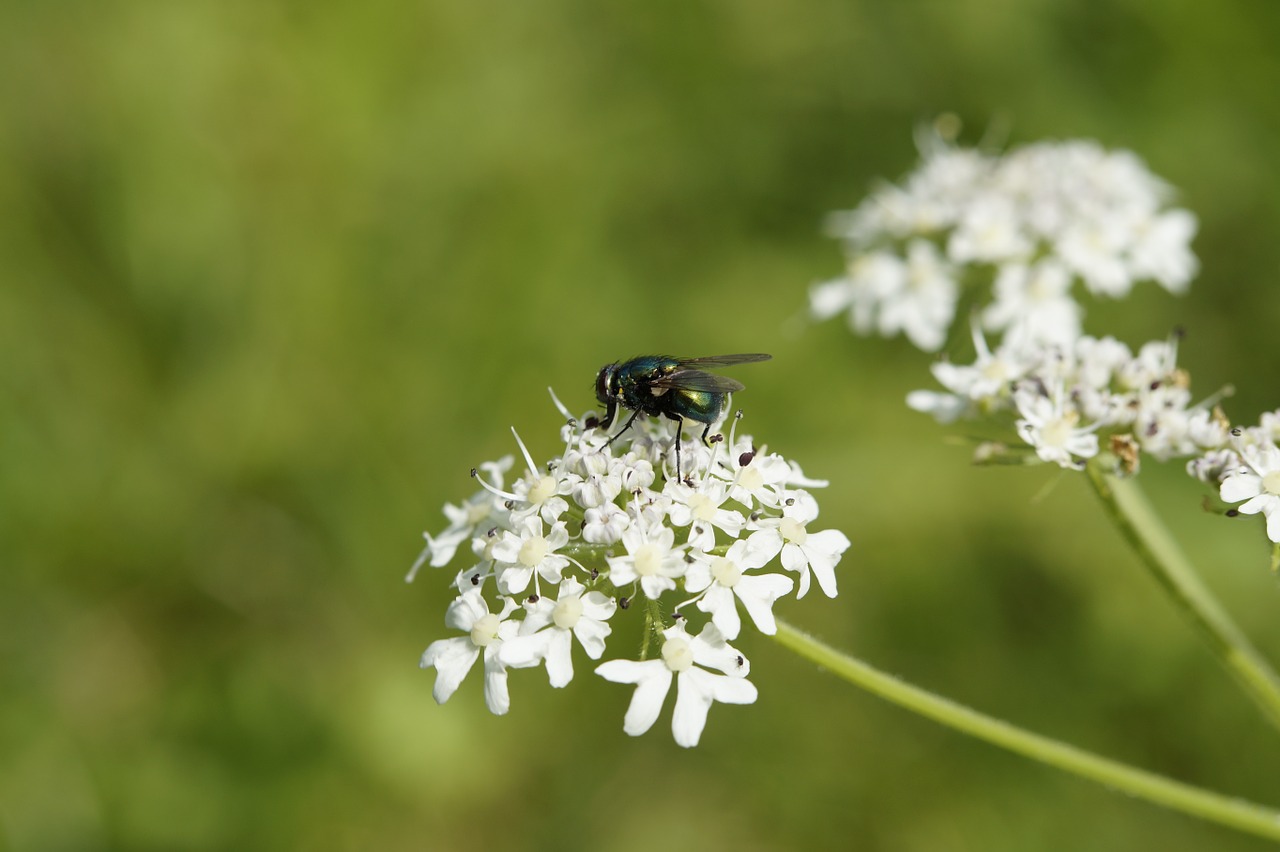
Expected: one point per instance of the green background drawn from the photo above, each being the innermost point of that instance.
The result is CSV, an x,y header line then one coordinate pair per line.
x,y
274,276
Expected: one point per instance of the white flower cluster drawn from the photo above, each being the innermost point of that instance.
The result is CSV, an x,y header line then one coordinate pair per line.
x,y
1065,397
1029,224
602,528
1246,469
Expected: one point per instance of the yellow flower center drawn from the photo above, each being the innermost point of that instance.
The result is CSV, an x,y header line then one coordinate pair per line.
x,y
726,572
544,489
1058,433
485,631
533,551
702,507
793,531
567,612
677,654
648,560
751,479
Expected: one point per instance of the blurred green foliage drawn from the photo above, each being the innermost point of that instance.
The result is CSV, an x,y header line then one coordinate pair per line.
x,y
274,276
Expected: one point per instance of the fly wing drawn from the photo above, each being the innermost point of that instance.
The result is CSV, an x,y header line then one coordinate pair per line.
x,y
697,380
724,360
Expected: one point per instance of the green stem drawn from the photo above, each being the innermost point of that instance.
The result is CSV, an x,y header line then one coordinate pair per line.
x,y
652,628
1138,522
1214,807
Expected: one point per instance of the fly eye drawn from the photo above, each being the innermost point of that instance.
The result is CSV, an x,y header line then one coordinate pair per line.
x,y
604,380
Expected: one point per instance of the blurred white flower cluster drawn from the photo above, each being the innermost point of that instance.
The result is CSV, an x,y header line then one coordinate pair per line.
x,y
1032,223
601,528
1024,226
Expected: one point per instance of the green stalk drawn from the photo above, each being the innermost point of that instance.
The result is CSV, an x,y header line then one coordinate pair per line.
x,y
1138,522
1235,813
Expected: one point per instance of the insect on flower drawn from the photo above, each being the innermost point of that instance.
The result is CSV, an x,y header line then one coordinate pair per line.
x,y
659,385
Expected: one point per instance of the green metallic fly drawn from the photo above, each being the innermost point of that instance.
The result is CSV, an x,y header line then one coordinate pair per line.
x,y
660,385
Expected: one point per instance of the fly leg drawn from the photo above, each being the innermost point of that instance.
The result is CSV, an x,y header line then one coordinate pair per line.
x,y
679,432
631,420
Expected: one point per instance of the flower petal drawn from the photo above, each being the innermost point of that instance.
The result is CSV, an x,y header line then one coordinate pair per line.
x,y
559,657
652,679
758,594
1240,486
452,659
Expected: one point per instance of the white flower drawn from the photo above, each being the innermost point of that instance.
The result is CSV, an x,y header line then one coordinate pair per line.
x,y
596,482
872,278
701,510
1163,250
549,625
923,307
1163,424
984,384
1269,425
538,492
1257,484
1214,465
828,298
1033,304
651,559
1100,359
526,551
990,230
1207,429
944,184
801,550
635,473
758,476
604,524
797,477
1093,249
1154,363
453,658
696,688
724,578
1049,425
463,520
943,407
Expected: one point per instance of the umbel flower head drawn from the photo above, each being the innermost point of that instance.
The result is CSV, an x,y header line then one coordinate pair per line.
x,y
1034,225
605,531
1070,402
1026,227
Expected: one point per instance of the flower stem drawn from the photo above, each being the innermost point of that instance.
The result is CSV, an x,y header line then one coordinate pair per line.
x,y
1138,522
1214,807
